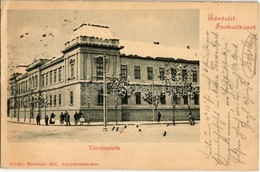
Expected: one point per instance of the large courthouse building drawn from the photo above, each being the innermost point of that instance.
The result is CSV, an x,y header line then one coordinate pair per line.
x,y
73,81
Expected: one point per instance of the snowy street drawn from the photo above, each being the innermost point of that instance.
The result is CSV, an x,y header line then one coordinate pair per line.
x,y
144,132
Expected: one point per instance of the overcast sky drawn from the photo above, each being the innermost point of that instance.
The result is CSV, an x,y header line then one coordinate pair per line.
x,y
27,29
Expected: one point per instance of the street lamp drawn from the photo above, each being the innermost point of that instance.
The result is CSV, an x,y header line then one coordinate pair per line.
x,y
32,105
88,110
25,106
104,92
18,116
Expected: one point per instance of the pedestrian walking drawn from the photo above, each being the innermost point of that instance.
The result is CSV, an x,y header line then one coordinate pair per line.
x,y
52,119
76,118
46,119
61,118
38,119
81,118
159,116
191,119
67,119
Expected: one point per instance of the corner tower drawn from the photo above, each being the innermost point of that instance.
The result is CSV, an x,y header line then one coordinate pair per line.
x,y
81,52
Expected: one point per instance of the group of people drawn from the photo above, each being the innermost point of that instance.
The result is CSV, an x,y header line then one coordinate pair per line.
x,y
79,117
64,117
48,120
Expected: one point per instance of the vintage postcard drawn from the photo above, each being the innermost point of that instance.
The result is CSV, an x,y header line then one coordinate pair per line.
x,y
129,85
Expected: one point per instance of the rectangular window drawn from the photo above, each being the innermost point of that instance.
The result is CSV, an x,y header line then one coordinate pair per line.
x,y
47,79
184,74
185,100
173,73
50,100
138,98
124,71
59,99
194,76
137,72
71,97
196,99
30,83
51,77
163,98
54,100
43,80
12,90
100,96
55,76
125,100
72,70
175,100
162,72
33,82
36,81
150,73
99,68
60,74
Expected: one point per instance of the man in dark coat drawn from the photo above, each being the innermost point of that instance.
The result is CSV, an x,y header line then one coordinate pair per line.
x,y
191,119
76,118
159,116
46,119
61,118
38,119
67,119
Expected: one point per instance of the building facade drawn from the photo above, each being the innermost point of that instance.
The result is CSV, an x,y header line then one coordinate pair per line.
x,y
74,81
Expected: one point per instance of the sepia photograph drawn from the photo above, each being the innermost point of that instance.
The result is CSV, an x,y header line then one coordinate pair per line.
x,y
129,85
132,75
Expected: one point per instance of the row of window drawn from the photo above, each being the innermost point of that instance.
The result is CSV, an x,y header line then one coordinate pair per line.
x,y
47,78
150,75
51,77
23,87
162,99
54,100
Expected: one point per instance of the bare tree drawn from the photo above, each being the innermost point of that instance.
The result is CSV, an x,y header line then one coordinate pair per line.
x,y
179,85
25,105
152,99
119,88
43,101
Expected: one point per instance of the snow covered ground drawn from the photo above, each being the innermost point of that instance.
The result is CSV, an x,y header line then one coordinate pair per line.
x,y
18,132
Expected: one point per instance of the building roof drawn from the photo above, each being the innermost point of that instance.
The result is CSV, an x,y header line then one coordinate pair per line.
x,y
95,30
154,50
